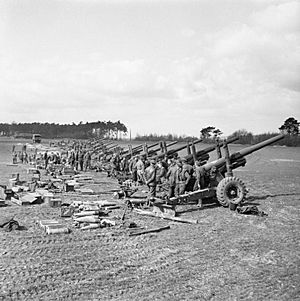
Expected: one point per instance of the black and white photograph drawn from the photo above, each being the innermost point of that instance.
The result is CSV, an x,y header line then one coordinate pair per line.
x,y
149,150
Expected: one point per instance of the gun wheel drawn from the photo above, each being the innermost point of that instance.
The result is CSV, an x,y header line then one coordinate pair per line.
x,y
230,190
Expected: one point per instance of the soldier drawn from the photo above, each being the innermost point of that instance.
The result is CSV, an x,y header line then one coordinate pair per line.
x,y
73,159
170,176
133,169
115,164
15,158
76,158
150,177
175,156
46,159
140,166
182,177
161,172
80,159
189,168
213,177
87,161
25,157
124,164
58,158
200,176
146,162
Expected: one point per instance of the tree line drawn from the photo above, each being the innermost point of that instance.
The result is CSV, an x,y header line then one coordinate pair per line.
x,y
290,128
168,137
208,134
245,137
112,130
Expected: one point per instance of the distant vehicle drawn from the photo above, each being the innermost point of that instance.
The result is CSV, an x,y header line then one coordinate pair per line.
x,y
36,138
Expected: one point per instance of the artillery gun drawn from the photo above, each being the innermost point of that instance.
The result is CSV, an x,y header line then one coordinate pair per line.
x,y
170,153
222,185
163,147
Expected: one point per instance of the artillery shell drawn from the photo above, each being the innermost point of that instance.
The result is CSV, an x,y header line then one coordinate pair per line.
x,y
88,219
86,213
90,226
57,229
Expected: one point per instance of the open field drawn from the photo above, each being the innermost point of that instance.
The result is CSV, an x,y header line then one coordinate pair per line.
x,y
226,256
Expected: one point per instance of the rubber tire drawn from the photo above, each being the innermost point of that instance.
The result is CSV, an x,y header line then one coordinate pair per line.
x,y
223,191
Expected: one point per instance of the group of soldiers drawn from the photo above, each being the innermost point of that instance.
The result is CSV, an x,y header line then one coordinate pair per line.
x,y
172,174
22,156
77,156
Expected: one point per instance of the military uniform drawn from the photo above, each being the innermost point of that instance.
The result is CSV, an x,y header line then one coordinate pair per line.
x,y
171,179
182,177
200,177
140,166
190,170
150,175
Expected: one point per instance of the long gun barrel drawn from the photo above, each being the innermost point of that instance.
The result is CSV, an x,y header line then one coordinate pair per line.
x,y
112,146
202,155
138,148
248,150
98,141
134,149
153,145
171,152
106,147
151,152
101,146
237,159
107,150
106,144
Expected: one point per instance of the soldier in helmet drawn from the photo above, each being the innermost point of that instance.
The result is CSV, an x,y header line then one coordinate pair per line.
x,y
133,169
140,165
182,177
170,176
189,169
150,177
200,176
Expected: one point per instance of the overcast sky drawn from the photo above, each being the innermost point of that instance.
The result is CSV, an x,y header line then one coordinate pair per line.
x,y
158,66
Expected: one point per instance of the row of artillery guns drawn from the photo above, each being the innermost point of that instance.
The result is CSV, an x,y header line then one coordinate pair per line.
x,y
221,185
160,150
157,150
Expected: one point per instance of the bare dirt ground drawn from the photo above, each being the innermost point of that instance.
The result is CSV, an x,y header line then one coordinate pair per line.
x,y
226,256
